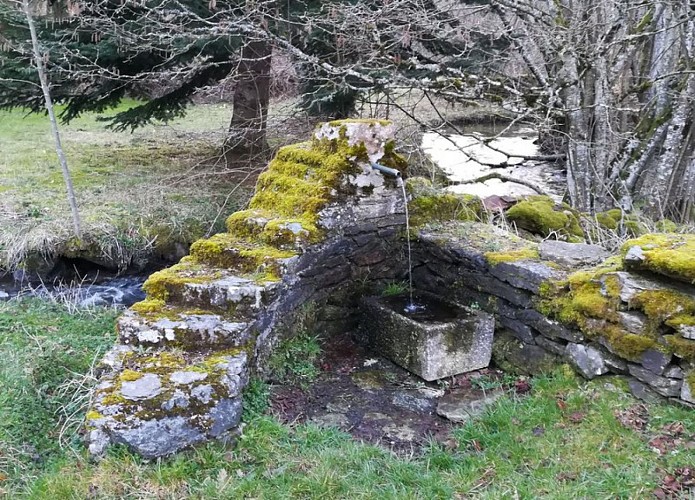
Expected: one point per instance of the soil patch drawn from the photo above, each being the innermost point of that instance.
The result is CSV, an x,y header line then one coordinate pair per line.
x,y
375,400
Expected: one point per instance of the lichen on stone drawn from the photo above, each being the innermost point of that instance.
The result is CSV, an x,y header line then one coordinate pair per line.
x,y
543,216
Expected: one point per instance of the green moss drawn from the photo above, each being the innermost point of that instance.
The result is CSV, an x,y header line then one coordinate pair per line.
x,y
226,251
93,415
661,305
129,375
668,254
494,258
369,121
666,226
148,306
681,347
681,320
541,215
627,345
162,284
607,220
690,380
445,207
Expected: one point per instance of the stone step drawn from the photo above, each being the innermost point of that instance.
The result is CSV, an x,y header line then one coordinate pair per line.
x,y
193,285
225,251
159,401
180,329
285,233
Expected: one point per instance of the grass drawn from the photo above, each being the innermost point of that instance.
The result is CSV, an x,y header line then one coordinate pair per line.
x,y
295,359
137,193
563,440
46,356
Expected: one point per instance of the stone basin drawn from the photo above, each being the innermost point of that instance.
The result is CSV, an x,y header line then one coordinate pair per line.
x,y
441,340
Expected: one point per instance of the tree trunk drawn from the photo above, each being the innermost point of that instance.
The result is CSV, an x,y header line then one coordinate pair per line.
x,y
247,131
38,59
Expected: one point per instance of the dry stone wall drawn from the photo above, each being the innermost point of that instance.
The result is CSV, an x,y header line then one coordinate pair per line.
x,y
565,302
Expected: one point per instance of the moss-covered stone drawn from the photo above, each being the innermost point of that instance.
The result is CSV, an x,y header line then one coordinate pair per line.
x,y
662,305
541,215
681,347
170,282
668,254
429,204
494,258
690,380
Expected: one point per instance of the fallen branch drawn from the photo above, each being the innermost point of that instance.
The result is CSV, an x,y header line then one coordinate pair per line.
x,y
503,178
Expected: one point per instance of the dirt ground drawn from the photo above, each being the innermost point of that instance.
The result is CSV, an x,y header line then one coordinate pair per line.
x,y
377,401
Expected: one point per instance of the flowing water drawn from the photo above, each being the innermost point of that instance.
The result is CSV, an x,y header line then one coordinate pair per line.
x,y
411,307
122,291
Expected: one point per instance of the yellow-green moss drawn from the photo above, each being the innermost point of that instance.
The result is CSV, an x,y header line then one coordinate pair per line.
x,y
368,121
171,280
541,215
590,293
681,347
129,375
690,380
668,254
430,204
494,258
93,415
660,305
606,220
445,207
148,306
681,320
666,226
226,251
627,345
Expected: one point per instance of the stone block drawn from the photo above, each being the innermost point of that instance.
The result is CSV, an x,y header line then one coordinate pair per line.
x,y
572,255
458,340
525,274
587,361
655,361
665,386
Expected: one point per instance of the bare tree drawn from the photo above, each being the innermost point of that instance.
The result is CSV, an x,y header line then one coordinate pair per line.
x,y
45,88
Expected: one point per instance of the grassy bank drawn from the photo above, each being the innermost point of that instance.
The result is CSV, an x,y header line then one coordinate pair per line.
x,y
137,193
565,439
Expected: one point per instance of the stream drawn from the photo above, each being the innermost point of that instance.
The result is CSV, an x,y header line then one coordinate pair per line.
x,y
121,291
465,158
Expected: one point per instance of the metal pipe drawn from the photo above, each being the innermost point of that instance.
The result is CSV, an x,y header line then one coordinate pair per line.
x,y
386,170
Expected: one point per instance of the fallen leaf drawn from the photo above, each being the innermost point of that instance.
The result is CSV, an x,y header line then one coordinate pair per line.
x,y
635,417
561,404
673,429
577,417
522,386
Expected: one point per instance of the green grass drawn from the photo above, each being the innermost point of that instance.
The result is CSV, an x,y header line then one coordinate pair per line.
x,y
44,354
149,189
562,440
295,359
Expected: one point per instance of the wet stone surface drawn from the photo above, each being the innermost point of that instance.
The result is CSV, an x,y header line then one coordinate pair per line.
x,y
375,400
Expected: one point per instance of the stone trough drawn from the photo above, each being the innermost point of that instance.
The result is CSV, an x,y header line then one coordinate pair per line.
x,y
439,340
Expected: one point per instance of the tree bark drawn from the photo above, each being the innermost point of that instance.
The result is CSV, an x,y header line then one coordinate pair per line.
x,y
247,130
38,59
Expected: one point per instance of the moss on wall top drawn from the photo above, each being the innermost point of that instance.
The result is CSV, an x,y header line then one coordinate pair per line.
x,y
668,254
429,204
543,216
